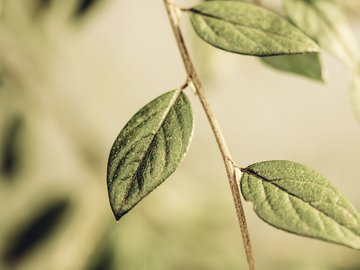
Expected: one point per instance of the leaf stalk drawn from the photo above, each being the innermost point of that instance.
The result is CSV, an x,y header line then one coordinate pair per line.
x,y
172,11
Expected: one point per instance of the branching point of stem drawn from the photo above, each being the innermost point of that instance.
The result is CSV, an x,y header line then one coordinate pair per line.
x,y
195,83
192,87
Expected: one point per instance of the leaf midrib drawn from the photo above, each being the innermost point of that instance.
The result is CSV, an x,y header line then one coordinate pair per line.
x,y
204,14
162,119
255,174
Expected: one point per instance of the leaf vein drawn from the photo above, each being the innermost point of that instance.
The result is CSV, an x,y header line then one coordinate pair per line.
x,y
164,116
234,23
296,196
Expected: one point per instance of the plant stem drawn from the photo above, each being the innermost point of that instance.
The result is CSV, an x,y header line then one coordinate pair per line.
x,y
173,13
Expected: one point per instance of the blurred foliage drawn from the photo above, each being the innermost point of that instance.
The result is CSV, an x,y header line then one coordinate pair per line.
x,y
55,134
36,231
11,147
84,6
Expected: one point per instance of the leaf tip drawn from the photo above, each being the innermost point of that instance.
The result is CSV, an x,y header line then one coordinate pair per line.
x,y
119,210
117,217
117,214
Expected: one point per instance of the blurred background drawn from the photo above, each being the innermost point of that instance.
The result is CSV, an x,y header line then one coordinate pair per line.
x,y
73,72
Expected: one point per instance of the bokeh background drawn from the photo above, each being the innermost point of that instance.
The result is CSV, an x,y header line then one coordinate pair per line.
x,y
73,72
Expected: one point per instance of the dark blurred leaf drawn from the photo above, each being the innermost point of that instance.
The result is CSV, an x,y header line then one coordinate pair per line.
x,y
84,6
11,157
34,232
307,65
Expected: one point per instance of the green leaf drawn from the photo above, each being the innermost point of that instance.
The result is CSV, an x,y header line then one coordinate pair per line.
x,y
299,200
324,21
148,150
307,65
247,29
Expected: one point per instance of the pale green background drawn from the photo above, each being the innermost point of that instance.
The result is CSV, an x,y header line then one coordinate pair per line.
x,y
78,82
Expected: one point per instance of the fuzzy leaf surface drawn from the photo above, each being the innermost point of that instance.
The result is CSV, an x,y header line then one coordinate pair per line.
x,y
247,29
148,150
324,21
307,65
299,200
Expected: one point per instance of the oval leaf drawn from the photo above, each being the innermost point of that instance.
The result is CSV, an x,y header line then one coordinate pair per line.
x,y
11,156
247,29
307,65
148,150
299,200
324,21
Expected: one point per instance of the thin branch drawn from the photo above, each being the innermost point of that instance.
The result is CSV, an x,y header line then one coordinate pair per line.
x,y
225,153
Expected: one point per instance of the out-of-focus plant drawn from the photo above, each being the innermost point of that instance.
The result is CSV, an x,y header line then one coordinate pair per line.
x,y
34,216
285,194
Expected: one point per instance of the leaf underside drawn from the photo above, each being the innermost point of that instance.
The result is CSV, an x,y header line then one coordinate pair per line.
x,y
307,65
294,198
247,29
148,150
